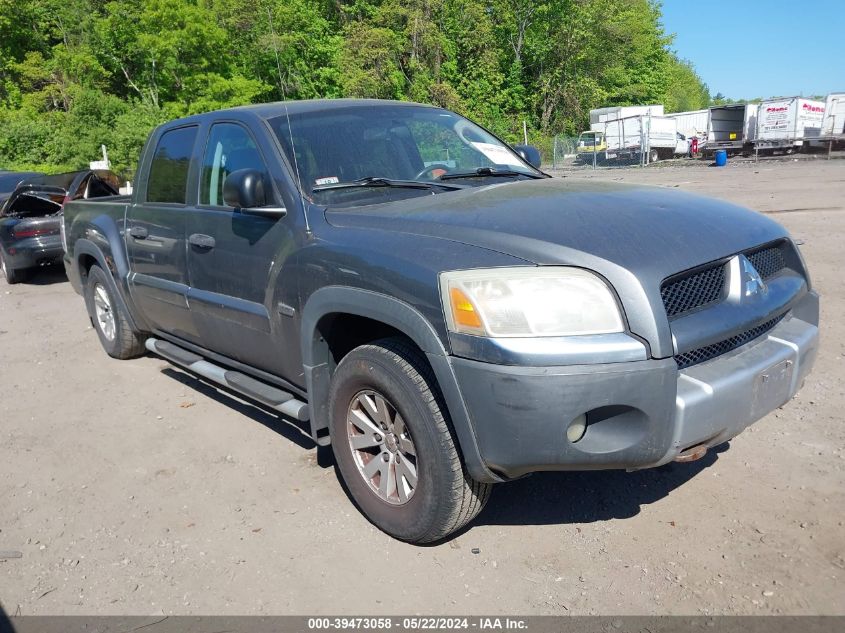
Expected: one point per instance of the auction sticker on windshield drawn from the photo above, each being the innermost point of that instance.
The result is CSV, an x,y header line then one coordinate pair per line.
x,y
499,155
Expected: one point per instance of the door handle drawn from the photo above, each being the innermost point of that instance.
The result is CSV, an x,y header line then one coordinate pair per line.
x,y
201,241
139,232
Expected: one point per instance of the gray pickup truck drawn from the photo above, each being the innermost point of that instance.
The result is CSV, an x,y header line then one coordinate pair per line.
x,y
417,294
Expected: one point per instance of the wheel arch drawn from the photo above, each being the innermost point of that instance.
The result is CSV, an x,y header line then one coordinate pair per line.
x,y
384,315
85,254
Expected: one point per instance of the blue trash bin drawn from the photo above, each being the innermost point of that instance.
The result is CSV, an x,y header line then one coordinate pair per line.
x,y
721,157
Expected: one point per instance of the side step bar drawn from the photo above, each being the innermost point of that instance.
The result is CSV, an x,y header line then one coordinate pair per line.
x,y
267,395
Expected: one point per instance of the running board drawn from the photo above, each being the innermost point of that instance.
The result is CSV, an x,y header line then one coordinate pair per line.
x,y
270,396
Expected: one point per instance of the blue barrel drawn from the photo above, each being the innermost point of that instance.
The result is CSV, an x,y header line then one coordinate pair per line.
x,y
721,157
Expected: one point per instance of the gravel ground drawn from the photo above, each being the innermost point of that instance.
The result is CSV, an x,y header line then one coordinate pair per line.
x,y
131,488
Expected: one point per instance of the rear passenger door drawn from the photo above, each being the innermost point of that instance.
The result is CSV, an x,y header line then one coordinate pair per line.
x,y
235,259
155,234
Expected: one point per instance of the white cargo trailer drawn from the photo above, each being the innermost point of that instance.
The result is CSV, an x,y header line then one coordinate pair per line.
x,y
692,123
644,136
603,115
833,123
789,123
731,127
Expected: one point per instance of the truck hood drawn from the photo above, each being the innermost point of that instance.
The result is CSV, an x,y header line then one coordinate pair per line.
x,y
634,236
650,231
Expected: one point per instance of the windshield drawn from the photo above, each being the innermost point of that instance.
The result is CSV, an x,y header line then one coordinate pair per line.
x,y
590,139
392,142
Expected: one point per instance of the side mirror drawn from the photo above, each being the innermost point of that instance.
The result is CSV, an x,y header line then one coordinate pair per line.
x,y
245,189
530,154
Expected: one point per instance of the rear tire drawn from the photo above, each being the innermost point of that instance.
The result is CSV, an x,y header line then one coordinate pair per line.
x,y
109,320
394,447
12,275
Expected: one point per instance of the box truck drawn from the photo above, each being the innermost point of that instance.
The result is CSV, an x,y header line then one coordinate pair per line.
x,y
603,115
643,136
732,128
591,146
788,124
692,123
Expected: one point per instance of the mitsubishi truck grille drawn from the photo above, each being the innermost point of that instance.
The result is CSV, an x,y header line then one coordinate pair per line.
x,y
693,291
768,261
693,357
689,291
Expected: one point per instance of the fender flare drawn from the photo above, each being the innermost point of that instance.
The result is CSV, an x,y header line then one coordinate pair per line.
x,y
404,318
114,267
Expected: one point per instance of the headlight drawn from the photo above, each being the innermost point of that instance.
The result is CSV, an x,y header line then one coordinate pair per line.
x,y
528,301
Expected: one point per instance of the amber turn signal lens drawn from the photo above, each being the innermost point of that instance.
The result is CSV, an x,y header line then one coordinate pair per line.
x,y
463,310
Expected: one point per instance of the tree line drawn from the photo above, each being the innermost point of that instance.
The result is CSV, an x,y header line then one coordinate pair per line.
x,y
75,74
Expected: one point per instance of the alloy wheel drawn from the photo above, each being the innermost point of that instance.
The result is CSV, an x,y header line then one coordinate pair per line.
x,y
104,312
382,447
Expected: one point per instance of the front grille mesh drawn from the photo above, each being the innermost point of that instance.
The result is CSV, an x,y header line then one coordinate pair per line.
x,y
686,293
768,262
693,291
702,354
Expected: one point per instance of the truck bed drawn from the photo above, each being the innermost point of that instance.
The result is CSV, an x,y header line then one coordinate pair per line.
x,y
112,206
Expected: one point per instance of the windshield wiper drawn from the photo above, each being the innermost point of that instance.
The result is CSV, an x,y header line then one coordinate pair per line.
x,y
489,171
380,181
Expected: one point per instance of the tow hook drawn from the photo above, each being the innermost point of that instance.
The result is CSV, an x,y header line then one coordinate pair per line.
x,y
692,454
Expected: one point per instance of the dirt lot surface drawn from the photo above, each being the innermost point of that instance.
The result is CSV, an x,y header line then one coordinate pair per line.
x,y
131,488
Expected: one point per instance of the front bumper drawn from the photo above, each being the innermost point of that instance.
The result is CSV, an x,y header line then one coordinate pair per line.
x,y
639,414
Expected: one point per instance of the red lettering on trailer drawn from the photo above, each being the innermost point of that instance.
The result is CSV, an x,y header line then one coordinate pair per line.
x,y
812,108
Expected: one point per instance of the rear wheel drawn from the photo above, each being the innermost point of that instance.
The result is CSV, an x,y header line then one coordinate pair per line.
x,y
653,156
12,275
394,447
111,324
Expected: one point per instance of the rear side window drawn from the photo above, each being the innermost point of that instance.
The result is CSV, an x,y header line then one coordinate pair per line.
x,y
169,170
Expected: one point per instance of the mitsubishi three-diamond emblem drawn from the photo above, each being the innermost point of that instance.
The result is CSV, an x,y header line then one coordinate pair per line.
x,y
745,280
752,281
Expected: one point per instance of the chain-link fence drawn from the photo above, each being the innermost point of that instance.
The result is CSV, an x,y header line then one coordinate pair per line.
x,y
591,152
579,152
644,139
633,140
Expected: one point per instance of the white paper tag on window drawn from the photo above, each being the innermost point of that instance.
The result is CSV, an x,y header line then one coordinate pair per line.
x,y
497,154
331,180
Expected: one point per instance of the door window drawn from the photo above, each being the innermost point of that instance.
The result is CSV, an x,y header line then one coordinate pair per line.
x,y
169,169
230,148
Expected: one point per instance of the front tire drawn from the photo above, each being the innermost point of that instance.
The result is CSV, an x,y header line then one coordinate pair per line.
x,y
111,324
394,447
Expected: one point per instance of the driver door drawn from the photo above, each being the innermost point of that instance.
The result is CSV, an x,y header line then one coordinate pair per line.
x,y
234,258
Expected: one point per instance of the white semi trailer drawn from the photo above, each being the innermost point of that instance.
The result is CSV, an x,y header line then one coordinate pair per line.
x,y
643,137
788,124
603,115
833,123
692,123
731,127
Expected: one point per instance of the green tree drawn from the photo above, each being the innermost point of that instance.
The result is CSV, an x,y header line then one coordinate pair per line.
x,y
75,74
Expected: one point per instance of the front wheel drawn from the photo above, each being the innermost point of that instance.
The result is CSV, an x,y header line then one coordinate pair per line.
x,y
111,324
394,447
